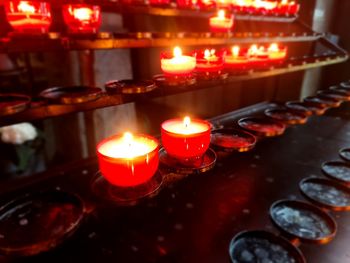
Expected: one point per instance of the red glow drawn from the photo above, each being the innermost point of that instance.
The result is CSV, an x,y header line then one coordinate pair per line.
x,y
124,166
82,18
28,16
182,144
208,61
222,22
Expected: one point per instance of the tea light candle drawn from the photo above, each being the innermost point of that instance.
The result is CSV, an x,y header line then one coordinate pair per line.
x,y
28,16
258,56
208,61
276,53
221,23
287,8
128,160
82,18
234,60
264,6
185,138
177,64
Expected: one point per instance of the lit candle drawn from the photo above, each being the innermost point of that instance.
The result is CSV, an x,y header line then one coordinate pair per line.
x,y
28,16
276,53
128,160
208,61
233,60
206,4
177,64
258,56
264,6
185,139
287,8
82,18
221,23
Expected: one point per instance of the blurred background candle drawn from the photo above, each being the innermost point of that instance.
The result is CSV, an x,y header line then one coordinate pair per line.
x,y
208,61
276,53
235,60
185,138
286,7
187,4
28,16
221,22
176,64
258,57
82,18
128,160
159,2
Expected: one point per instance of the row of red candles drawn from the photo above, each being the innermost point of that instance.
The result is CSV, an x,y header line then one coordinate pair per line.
x,y
32,16
210,60
283,7
128,160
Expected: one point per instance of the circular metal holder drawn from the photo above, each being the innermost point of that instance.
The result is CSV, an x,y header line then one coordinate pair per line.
x,y
326,193
345,154
286,116
340,89
263,127
345,84
305,108
38,222
232,140
334,94
71,94
245,247
176,81
125,196
339,171
193,166
322,102
129,86
304,221
13,103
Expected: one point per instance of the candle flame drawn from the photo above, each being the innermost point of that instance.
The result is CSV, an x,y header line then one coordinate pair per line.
x,y
221,14
83,13
284,2
253,50
207,53
187,121
177,52
128,138
25,7
273,47
235,51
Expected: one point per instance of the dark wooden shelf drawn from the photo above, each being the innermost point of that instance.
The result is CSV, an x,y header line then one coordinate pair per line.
x,y
292,65
57,42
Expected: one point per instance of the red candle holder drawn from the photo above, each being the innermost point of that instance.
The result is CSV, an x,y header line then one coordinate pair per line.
x,y
277,54
185,139
235,60
82,18
221,23
177,68
159,2
28,16
258,57
187,4
209,64
207,4
128,161
285,8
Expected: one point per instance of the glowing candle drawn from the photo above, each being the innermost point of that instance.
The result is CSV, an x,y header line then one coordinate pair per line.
x,y
258,56
82,18
276,53
221,23
264,6
28,16
208,61
234,60
287,8
128,160
185,139
187,3
177,64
